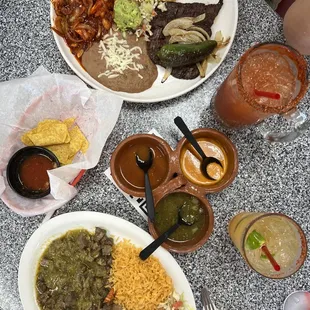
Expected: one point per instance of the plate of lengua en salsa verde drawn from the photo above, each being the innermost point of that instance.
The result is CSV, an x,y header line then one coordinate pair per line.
x,y
144,50
89,260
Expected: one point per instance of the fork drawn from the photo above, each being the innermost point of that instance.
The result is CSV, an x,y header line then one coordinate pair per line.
x,y
206,300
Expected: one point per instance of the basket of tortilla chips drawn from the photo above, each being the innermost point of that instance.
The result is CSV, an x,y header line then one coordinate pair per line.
x,y
60,113
64,138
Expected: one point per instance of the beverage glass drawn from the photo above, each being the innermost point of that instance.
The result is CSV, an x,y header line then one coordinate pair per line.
x,y
283,237
299,300
269,79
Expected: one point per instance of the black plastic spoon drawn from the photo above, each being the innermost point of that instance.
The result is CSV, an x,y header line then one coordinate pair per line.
x,y
191,139
145,165
149,250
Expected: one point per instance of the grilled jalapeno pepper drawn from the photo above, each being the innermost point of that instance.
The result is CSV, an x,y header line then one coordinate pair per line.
x,y
177,55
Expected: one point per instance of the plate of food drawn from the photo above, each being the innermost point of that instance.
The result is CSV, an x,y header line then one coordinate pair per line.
x,y
89,260
144,50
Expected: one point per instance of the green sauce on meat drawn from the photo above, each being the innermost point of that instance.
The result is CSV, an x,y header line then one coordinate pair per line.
x,y
73,271
166,215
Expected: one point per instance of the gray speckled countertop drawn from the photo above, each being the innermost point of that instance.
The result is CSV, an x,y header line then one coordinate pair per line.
x,y
271,177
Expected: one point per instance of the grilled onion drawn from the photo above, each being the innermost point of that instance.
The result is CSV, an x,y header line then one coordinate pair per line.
x,y
81,22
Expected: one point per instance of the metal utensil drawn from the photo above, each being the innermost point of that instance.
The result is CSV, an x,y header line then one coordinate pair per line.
x,y
206,300
191,139
148,251
145,165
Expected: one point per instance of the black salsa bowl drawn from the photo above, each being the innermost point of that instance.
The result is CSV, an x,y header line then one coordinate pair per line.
x,y
13,169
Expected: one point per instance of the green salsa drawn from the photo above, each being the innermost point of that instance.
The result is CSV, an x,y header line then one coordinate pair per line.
x,y
73,271
166,215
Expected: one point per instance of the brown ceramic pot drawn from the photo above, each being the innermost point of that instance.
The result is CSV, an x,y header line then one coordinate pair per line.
x,y
116,172
174,180
176,185
226,145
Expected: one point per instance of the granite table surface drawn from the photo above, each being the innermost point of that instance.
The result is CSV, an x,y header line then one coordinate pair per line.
x,y
271,178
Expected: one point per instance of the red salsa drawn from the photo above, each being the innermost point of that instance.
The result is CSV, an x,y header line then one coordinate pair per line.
x,y
33,172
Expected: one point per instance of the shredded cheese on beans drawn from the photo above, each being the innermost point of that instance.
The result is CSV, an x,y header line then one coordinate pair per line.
x,y
119,56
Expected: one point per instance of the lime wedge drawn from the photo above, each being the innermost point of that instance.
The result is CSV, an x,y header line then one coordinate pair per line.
x,y
254,240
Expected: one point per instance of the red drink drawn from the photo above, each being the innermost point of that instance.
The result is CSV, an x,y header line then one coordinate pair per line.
x,y
265,68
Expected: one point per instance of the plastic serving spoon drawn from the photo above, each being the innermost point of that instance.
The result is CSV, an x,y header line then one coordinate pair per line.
x,y
145,165
148,251
191,139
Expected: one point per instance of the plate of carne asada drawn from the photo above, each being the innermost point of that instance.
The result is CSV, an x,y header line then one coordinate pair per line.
x,y
144,50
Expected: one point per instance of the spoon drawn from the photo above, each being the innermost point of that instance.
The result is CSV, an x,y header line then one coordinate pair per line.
x,y
145,165
148,251
191,139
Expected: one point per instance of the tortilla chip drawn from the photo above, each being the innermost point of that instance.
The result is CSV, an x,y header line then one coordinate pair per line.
x,y
25,139
66,152
69,161
85,146
49,135
59,137
78,141
69,122
48,122
62,151
67,140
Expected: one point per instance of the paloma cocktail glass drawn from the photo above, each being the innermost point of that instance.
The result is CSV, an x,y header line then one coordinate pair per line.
x,y
283,236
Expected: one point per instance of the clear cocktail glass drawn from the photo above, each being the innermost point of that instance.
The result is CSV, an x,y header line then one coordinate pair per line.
x,y
283,237
269,79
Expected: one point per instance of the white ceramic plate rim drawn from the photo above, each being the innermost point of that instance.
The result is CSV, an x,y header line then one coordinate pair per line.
x,y
136,97
87,219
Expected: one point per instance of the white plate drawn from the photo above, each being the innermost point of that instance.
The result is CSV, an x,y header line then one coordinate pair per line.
x,y
226,21
89,220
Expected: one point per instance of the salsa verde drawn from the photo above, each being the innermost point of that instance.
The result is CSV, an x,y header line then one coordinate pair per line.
x,y
166,215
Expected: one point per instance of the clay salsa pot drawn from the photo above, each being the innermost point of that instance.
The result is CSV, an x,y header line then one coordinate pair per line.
x,y
173,180
227,147
124,170
171,160
179,184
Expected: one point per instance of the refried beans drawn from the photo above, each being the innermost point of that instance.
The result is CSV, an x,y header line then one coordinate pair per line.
x,y
130,81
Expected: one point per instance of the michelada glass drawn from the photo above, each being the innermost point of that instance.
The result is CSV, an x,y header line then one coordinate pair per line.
x,y
284,238
269,79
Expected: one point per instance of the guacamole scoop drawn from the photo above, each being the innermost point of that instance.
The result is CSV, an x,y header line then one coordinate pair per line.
x,y
127,14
